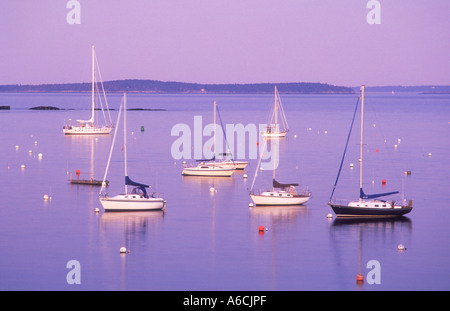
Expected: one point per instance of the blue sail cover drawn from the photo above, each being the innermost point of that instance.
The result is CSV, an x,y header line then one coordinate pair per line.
x,y
129,182
362,195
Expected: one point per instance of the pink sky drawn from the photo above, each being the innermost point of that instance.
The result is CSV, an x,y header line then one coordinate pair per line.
x,y
227,41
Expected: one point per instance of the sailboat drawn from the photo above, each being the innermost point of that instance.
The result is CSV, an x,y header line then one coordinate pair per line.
x,y
209,167
137,199
273,128
368,205
281,193
89,127
227,161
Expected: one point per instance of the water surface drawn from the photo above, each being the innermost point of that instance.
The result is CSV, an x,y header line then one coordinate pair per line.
x,y
210,241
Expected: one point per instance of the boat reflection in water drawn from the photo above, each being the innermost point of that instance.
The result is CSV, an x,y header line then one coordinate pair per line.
x,y
364,235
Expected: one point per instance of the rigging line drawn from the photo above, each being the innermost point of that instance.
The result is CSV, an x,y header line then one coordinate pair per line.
x,y
257,165
111,150
283,115
101,102
345,149
223,132
103,89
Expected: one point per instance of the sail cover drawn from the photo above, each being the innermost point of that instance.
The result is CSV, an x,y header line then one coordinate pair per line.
x,y
206,160
362,195
276,184
129,182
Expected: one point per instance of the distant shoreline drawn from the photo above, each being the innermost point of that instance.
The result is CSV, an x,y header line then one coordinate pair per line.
x,y
161,87
136,86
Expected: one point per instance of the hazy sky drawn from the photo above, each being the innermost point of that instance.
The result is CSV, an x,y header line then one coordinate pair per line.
x,y
227,41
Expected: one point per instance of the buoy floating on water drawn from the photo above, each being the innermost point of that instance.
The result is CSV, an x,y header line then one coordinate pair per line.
x,y
401,247
212,189
383,182
97,210
359,277
245,176
40,155
351,165
329,216
261,228
123,250
47,197
250,204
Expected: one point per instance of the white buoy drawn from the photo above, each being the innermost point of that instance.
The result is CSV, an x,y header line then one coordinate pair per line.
x,y
401,247
395,146
30,152
295,136
250,204
123,250
245,176
22,166
46,197
351,165
429,154
17,147
35,142
40,155
97,210
329,215
212,189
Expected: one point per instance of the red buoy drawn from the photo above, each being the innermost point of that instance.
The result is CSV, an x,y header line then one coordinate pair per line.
x,y
383,182
359,277
261,228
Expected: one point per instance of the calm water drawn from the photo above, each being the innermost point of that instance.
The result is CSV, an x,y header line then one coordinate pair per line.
x,y
210,241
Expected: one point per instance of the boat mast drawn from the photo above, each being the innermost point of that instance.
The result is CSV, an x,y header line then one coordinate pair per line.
x,y
276,110
93,82
125,135
273,142
361,140
214,154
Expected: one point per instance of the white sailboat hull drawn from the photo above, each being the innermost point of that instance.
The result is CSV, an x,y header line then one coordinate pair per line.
x,y
274,134
131,202
83,130
207,170
278,198
236,165
240,165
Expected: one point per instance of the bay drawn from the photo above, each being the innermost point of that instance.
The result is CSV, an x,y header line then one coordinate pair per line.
x,y
210,241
